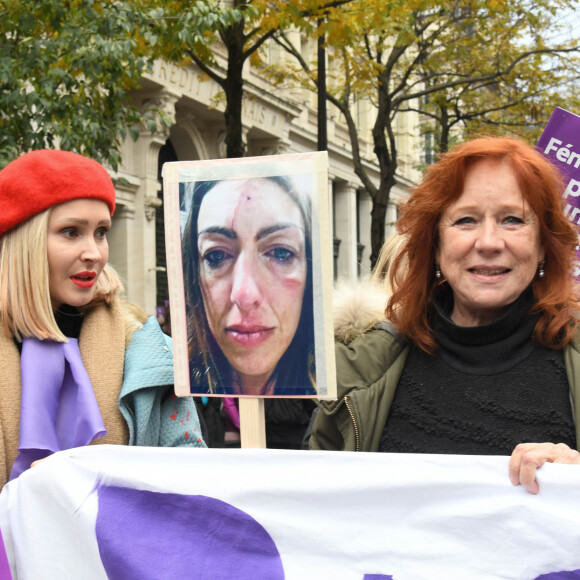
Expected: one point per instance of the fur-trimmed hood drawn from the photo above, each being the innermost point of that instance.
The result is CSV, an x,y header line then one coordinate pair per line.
x,y
357,306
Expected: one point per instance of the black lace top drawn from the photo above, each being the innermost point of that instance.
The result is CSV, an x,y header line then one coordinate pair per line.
x,y
486,389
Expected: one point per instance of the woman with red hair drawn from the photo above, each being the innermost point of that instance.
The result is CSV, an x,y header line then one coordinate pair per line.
x,y
481,352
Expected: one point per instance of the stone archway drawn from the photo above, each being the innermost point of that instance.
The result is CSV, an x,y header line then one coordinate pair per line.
x,y
182,145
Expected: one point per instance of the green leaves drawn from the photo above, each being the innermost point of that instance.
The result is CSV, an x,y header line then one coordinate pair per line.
x,y
66,71
458,67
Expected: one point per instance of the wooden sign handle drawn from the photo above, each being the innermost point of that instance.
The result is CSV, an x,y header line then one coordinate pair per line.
x,y
252,423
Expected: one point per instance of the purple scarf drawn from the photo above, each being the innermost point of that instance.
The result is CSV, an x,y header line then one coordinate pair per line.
x,y
58,407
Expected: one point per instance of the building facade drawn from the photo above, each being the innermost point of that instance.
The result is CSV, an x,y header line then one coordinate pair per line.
x,y
274,122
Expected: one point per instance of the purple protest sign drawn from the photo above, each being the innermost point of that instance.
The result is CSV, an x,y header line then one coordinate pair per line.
x,y
560,143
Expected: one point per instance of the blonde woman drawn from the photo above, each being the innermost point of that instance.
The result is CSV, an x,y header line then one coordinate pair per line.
x,y
79,365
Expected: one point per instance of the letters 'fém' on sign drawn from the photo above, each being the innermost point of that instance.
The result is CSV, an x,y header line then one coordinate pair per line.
x,y
560,143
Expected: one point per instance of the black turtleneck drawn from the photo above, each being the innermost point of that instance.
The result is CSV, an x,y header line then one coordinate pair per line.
x,y
69,320
486,389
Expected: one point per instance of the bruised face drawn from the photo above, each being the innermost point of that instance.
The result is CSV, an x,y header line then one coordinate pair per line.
x,y
489,244
252,272
77,250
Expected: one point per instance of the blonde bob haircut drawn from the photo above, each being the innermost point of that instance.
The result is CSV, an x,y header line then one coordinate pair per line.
x,y
25,304
381,273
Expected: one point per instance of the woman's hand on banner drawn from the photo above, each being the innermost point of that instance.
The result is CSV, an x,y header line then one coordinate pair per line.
x,y
527,458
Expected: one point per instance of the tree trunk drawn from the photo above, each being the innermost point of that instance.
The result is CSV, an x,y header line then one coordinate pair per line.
x,y
444,130
379,213
385,149
234,90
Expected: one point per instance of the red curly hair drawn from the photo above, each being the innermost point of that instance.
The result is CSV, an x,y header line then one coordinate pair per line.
x,y
413,272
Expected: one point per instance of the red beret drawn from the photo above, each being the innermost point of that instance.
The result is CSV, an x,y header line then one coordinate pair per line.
x,y
40,179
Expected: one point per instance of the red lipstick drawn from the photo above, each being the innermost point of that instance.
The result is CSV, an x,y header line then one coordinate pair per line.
x,y
84,279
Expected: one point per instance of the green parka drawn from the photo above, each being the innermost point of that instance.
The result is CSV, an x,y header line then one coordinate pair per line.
x,y
368,370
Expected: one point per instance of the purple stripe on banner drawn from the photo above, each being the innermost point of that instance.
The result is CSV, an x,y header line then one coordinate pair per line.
x,y
149,535
377,577
5,573
572,575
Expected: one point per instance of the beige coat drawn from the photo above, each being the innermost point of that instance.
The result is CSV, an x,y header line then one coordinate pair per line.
x,y
104,335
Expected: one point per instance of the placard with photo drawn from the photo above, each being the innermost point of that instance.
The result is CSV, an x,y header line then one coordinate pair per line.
x,y
248,247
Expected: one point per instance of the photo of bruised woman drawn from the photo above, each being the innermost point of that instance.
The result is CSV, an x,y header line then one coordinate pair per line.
x,y
247,261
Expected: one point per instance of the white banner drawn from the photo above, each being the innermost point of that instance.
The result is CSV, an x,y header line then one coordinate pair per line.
x,y
150,514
